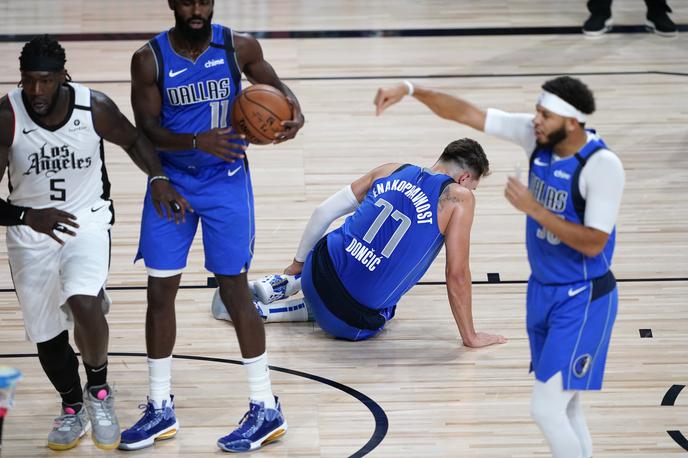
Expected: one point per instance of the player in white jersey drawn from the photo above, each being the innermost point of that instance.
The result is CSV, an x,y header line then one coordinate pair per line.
x,y
59,215
571,206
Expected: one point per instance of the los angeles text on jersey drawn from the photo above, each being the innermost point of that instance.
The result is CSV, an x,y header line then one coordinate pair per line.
x,y
413,192
201,91
56,159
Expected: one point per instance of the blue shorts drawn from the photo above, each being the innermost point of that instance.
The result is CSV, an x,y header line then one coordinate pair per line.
x,y
327,321
569,328
222,199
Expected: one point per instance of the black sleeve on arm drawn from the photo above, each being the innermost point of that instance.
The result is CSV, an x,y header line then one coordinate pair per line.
x,y
11,215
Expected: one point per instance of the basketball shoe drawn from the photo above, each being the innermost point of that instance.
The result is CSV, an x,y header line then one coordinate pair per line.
x,y
258,427
69,427
155,424
273,288
220,311
659,22
597,25
101,411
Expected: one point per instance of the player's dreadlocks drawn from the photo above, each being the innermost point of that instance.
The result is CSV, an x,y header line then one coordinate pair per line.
x,y
43,54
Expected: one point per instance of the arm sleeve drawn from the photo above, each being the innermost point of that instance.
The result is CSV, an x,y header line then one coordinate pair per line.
x,y
339,204
513,127
601,185
11,215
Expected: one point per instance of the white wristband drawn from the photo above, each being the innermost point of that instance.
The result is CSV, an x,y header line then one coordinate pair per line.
x,y
409,85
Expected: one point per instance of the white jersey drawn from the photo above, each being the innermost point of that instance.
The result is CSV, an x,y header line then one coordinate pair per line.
x,y
59,167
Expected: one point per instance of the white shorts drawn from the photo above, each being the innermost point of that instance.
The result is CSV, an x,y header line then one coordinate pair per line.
x,y
46,274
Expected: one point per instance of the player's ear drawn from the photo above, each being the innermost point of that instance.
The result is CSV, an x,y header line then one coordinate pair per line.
x,y
62,76
463,177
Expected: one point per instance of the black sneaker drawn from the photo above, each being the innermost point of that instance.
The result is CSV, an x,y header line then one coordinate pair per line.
x,y
597,25
659,22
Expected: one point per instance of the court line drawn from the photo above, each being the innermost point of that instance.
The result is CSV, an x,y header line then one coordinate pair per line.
x,y
421,283
418,77
670,400
381,420
354,33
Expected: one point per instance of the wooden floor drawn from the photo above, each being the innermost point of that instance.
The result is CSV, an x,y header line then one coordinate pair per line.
x,y
440,399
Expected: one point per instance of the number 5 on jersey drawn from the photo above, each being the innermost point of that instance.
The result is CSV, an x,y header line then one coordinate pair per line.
x,y
57,193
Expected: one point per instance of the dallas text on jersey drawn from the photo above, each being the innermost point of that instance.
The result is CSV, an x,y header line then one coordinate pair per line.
x,y
200,91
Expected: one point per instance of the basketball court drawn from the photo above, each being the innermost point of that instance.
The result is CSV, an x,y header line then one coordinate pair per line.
x,y
414,390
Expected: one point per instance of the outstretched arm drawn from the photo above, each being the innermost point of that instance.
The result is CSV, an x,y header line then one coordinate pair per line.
x,y
114,127
461,203
443,105
339,204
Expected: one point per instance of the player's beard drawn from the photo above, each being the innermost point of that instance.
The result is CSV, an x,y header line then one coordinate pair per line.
x,y
191,34
51,105
553,138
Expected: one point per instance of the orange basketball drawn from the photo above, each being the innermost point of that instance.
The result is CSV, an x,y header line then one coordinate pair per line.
x,y
258,113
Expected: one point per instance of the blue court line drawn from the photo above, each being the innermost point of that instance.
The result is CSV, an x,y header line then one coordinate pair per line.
x,y
381,421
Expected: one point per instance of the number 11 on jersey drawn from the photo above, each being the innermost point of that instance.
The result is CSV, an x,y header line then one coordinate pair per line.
x,y
219,111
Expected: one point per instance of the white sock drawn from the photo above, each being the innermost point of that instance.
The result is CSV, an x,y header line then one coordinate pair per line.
x,y
259,380
577,419
160,380
548,407
286,310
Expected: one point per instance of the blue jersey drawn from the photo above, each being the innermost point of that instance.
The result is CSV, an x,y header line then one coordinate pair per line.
x,y
196,95
386,246
555,185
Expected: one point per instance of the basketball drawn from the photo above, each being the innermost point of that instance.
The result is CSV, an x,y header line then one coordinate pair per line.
x,y
258,113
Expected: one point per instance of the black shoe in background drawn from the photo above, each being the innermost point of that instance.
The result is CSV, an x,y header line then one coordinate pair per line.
x,y
597,25
659,22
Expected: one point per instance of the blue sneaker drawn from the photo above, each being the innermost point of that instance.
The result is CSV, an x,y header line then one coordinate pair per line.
x,y
259,427
155,424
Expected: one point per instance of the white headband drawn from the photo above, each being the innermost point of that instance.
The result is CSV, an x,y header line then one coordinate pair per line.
x,y
557,105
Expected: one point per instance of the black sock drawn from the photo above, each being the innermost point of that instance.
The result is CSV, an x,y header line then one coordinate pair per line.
x,y
97,376
62,368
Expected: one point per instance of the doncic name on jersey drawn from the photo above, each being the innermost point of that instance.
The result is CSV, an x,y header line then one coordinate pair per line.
x,y
54,160
201,91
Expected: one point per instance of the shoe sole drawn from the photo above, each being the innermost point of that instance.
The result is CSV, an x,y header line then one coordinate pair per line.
x,y
168,433
265,440
650,27
63,447
608,26
102,446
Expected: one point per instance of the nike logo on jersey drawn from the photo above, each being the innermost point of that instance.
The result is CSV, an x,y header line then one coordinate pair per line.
x,y
96,209
230,173
573,292
179,72
29,131
537,161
